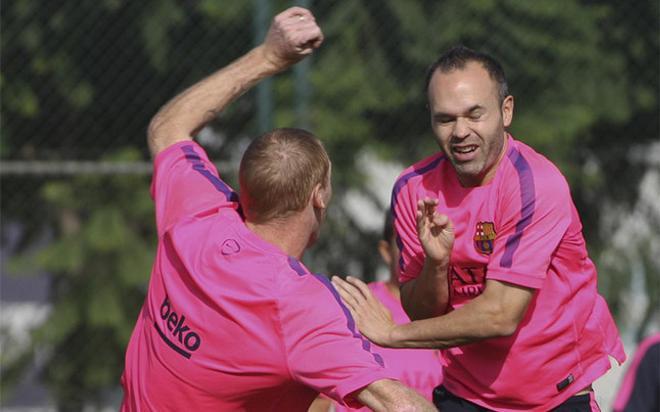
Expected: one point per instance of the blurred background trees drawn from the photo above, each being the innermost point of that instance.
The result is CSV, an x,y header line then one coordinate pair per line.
x,y
80,81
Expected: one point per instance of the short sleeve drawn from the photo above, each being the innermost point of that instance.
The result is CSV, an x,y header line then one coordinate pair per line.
x,y
324,349
534,214
408,188
411,257
185,183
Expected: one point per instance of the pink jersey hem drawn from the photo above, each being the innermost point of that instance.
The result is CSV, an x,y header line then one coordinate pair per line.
x,y
597,369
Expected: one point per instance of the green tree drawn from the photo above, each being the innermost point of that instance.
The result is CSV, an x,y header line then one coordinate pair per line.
x,y
100,262
613,182
80,80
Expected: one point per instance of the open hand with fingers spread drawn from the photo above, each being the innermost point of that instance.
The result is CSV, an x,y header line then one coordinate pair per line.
x,y
435,231
372,318
293,35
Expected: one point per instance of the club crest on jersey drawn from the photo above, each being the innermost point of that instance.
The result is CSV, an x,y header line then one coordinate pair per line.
x,y
484,237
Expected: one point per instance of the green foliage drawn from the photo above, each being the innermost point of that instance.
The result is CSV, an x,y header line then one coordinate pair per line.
x,y
554,53
161,18
100,259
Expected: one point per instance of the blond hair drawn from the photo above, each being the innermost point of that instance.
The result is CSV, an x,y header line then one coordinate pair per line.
x,y
279,171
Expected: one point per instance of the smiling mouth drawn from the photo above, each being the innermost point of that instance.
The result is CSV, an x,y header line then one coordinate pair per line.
x,y
464,149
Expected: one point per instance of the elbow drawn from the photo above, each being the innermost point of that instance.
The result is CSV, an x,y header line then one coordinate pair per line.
x,y
163,132
504,308
153,132
503,323
507,328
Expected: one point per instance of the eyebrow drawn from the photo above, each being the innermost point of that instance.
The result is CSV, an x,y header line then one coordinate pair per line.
x,y
470,110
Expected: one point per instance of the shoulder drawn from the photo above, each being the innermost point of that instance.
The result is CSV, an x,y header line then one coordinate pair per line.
x,y
419,170
297,285
187,150
309,296
532,173
414,176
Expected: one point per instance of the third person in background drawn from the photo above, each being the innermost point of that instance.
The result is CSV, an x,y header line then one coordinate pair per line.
x,y
640,388
494,266
420,370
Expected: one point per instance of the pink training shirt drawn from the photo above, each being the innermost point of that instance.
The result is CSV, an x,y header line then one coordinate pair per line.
x,y
640,387
418,369
521,228
230,322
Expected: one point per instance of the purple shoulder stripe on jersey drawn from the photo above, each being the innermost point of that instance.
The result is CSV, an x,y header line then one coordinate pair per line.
x,y
366,345
527,206
399,244
197,165
401,182
398,185
297,267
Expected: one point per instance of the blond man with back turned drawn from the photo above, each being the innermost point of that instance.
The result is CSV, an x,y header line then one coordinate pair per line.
x,y
233,320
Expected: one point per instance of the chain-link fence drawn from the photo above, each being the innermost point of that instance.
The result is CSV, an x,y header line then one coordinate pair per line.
x,y
81,80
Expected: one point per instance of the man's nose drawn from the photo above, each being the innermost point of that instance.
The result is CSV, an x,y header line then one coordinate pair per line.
x,y
461,128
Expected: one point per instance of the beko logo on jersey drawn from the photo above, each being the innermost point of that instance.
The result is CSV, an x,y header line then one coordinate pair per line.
x,y
188,340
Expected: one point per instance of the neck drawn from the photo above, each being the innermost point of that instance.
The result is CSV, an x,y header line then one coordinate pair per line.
x,y
291,234
491,173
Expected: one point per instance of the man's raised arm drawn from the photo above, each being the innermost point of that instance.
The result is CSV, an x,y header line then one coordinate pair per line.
x,y
293,34
427,295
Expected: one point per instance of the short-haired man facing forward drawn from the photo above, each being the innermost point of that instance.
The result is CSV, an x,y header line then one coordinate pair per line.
x,y
232,319
493,259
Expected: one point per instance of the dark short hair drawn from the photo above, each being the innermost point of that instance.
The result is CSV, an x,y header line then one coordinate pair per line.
x,y
458,56
388,226
279,171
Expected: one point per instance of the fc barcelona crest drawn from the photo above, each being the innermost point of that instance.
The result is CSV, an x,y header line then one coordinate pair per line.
x,y
484,237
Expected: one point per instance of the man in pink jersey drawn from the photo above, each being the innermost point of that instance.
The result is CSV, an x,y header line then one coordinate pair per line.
x,y
233,320
494,267
421,370
640,387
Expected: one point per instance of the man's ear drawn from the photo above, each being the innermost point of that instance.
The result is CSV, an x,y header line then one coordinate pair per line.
x,y
507,111
318,197
384,250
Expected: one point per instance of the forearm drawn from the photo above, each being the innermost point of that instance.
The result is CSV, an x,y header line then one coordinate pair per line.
x,y
182,117
389,395
427,296
495,313
459,327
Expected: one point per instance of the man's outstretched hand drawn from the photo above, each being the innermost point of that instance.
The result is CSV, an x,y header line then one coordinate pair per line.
x,y
293,34
371,316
